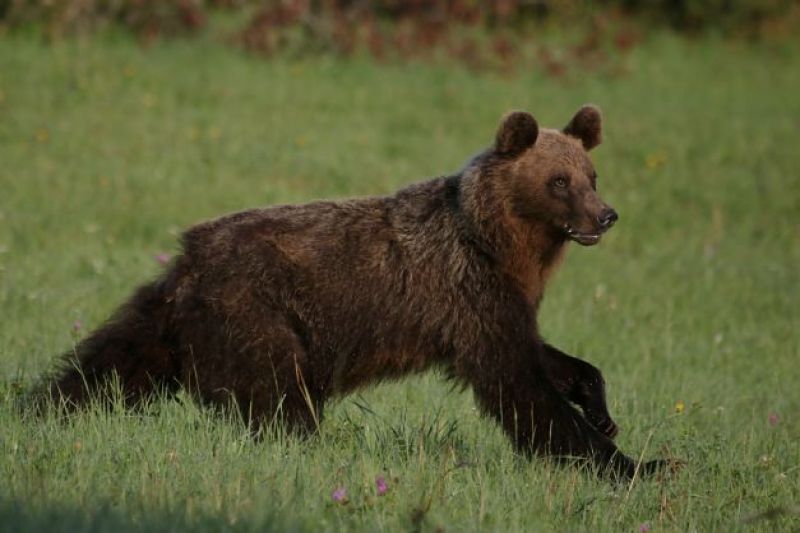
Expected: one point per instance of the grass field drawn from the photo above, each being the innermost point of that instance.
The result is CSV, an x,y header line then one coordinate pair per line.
x,y
691,306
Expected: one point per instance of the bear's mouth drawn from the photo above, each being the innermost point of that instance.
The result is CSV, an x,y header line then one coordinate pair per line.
x,y
586,239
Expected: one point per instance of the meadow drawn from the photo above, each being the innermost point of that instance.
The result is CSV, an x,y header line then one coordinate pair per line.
x,y
690,306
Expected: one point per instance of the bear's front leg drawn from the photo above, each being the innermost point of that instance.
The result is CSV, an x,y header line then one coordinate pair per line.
x,y
537,418
582,384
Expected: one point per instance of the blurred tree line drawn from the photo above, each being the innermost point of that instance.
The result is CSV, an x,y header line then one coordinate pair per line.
x,y
488,33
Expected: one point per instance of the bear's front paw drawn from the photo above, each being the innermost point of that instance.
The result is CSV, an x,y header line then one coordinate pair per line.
x,y
623,468
603,424
651,468
657,466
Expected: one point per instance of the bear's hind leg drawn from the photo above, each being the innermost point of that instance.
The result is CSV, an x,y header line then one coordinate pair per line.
x,y
265,373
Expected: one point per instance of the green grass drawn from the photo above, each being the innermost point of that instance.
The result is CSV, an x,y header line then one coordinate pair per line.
x,y
108,150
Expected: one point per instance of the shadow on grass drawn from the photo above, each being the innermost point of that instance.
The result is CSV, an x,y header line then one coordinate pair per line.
x,y
18,517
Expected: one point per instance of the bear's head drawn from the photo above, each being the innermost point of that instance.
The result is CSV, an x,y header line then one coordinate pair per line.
x,y
548,177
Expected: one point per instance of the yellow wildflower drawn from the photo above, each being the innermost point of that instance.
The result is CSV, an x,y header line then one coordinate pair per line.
x,y
655,160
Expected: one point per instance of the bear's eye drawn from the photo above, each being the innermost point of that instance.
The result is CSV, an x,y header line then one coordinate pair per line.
x,y
561,182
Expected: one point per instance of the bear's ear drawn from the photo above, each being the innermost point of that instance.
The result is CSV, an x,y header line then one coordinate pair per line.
x,y
517,133
586,125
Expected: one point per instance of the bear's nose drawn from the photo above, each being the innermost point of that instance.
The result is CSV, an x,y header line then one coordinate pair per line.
x,y
607,218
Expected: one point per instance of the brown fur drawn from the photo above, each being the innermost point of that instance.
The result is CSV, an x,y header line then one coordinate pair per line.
x,y
284,307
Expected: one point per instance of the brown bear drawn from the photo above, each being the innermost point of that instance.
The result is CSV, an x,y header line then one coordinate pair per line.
x,y
278,309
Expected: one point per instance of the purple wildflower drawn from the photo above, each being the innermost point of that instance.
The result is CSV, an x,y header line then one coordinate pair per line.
x,y
773,419
644,527
380,484
77,326
162,258
339,495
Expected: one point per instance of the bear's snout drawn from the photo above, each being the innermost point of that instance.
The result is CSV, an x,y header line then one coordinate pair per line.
x,y
607,218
